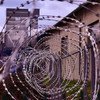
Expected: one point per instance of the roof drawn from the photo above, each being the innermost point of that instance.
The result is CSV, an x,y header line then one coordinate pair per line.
x,y
60,23
82,8
78,11
71,14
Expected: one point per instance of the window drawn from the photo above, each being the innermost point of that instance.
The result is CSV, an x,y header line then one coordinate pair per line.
x,y
94,27
17,18
64,46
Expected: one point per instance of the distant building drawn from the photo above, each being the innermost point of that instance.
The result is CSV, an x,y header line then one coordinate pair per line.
x,y
16,26
4,51
1,42
34,21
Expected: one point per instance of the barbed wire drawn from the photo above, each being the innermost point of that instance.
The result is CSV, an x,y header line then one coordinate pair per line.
x,y
42,67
